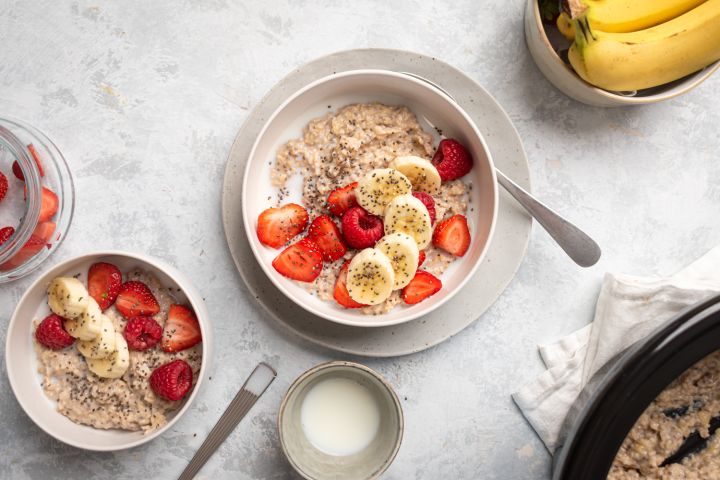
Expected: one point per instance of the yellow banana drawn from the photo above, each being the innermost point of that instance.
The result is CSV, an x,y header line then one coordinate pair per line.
x,y
620,16
650,57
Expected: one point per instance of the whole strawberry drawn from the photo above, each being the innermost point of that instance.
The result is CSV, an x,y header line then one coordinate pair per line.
x,y
52,334
142,333
172,381
452,160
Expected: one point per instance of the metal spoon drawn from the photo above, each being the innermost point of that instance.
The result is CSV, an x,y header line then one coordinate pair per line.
x,y
576,243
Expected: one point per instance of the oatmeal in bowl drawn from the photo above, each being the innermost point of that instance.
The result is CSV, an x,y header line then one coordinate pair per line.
x,y
107,351
369,198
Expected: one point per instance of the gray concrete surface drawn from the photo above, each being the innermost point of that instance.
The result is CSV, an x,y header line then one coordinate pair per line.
x,y
144,99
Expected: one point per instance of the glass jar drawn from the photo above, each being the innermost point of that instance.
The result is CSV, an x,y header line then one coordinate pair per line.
x,y
37,206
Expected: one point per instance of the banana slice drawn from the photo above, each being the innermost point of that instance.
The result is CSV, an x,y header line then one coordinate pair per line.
x,y
370,277
67,297
88,325
422,174
403,252
102,345
115,364
378,187
407,214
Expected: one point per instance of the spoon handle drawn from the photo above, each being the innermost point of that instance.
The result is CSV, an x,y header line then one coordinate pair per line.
x,y
576,243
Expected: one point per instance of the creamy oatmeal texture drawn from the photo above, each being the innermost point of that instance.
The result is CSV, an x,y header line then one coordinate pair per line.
x,y
686,405
338,149
126,403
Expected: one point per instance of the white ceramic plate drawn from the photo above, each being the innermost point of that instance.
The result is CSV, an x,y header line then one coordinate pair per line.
x,y
21,360
435,110
506,251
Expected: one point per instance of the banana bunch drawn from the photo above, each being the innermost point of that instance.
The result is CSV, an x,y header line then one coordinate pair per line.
x,y
627,45
374,273
104,349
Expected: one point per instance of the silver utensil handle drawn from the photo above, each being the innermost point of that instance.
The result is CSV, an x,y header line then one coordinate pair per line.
x,y
576,243
256,384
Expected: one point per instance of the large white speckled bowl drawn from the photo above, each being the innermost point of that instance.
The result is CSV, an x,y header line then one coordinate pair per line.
x,y
21,360
435,111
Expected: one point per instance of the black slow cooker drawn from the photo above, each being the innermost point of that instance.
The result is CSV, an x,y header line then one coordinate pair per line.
x,y
619,393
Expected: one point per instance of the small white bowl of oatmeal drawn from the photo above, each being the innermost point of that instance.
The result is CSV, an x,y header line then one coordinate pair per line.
x,y
352,127
108,350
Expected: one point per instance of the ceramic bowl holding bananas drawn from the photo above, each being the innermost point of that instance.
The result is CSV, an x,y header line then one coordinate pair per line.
x,y
624,52
62,292
385,192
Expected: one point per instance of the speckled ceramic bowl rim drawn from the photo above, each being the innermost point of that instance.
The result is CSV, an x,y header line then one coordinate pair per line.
x,y
194,298
316,370
385,319
697,78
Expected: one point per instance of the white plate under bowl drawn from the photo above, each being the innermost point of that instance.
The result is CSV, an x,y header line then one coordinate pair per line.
x,y
21,360
507,249
436,111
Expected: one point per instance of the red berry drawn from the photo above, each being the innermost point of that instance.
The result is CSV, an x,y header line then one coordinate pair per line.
x,y
172,381
361,229
3,186
342,199
45,231
429,203
452,235
36,157
6,233
421,258
422,286
104,282
28,251
52,334
301,261
49,204
142,333
452,160
182,329
135,298
340,292
326,236
17,171
277,226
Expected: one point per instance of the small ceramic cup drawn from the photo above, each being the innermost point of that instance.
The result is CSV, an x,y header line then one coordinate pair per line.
x,y
367,464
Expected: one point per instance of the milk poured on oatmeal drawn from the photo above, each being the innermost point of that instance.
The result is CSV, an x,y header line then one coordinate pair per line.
x,y
340,417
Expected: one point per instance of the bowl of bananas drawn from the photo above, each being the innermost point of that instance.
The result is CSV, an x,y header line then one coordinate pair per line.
x,y
624,52
106,351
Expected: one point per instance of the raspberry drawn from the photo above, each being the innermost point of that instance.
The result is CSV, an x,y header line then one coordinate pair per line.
x,y
52,334
429,203
142,333
452,160
361,229
172,381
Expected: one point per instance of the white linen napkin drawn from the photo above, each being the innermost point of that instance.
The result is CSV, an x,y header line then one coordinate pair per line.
x,y
628,309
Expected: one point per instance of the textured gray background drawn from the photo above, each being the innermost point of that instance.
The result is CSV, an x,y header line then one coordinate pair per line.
x,y
144,99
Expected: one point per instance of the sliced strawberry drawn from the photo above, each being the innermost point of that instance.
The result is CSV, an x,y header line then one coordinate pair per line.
x,y
135,298
277,226
452,235
36,157
17,171
49,204
104,283
422,286
3,186
6,233
182,329
342,199
340,293
326,236
300,261
29,250
45,231
421,258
